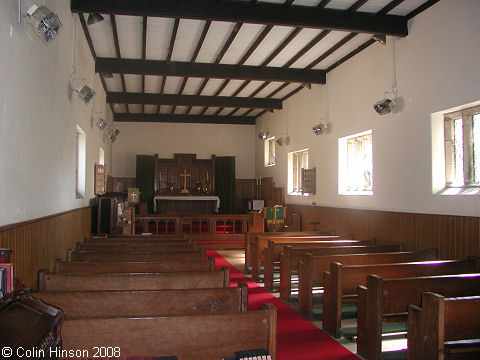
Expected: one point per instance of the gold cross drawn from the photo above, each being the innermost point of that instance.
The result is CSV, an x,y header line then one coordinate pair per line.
x,y
185,190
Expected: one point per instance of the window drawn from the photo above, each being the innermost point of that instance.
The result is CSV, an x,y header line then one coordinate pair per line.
x,y
101,156
81,162
462,148
270,151
355,170
297,160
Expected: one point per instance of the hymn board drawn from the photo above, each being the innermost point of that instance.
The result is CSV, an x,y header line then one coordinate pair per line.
x,y
185,184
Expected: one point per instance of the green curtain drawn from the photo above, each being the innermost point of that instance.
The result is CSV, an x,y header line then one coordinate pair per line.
x,y
225,183
145,179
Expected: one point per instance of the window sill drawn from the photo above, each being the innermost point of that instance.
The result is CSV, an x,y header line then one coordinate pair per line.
x,y
357,192
466,190
298,194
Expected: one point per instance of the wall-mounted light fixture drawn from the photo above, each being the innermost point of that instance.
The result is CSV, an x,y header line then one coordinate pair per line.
x,y
101,123
85,93
44,21
320,129
263,134
112,136
280,141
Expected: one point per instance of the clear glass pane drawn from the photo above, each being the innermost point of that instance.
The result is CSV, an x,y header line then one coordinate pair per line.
x,y
476,147
458,179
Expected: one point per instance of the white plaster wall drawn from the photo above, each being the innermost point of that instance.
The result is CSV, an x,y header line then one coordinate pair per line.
x,y
437,69
38,117
165,139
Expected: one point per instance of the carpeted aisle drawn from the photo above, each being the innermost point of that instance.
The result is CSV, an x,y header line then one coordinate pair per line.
x,y
297,338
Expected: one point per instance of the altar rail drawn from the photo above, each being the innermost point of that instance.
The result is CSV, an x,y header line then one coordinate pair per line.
x,y
211,231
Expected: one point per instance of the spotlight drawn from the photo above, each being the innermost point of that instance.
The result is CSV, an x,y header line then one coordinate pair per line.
x,y
381,38
383,107
280,141
94,18
101,123
44,21
85,93
317,129
115,132
263,135
111,138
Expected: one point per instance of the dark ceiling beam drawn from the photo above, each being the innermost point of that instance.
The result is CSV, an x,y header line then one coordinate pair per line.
x,y
117,51
173,36
144,51
260,13
204,70
421,8
226,46
183,118
93,52
193,100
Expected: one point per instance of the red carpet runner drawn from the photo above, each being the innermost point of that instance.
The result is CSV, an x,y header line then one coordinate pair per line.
x,y
297,338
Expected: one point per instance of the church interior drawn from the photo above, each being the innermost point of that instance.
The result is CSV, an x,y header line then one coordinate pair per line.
x,y
240,179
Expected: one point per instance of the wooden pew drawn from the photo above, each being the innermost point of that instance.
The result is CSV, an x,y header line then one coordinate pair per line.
x,y
274,249
260,245
250,237
311,269
136,247
189,337
128,241
444,328
137,256
166,265
384,299
291,256
342,282
133,281
141,237
77,304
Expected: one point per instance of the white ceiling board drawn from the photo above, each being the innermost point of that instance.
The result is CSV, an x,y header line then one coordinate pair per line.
x,y
120,108
159,31
321,48
232,86
255,112
216,37
269,44
306,2
250,88
181,110
153,83
302,39
353,44
374,6
241,44
151,109
166,109
407,7
192,86
102,38
226,111
133,83
211,111
188,34
196,110
129,30
268,89
340,4
114,84
212,87
135,108
284,92
172,84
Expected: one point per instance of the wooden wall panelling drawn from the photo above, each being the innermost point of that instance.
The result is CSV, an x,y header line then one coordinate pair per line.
x,y
36,244
456,237
244,191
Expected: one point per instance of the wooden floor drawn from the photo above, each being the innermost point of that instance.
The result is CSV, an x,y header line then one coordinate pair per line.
x,y
237,259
